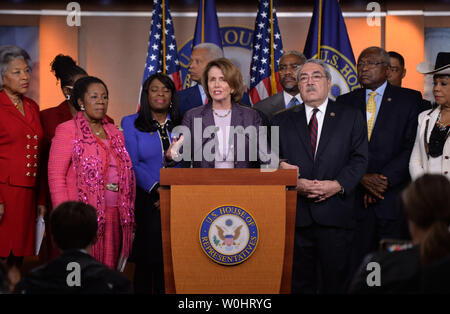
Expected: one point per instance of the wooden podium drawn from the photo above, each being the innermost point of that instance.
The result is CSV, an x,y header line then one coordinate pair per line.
x,y
189,195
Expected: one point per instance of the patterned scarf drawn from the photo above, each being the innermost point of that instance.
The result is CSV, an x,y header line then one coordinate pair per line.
x,y
89,166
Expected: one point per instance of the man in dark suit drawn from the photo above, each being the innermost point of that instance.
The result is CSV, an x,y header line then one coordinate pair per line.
x,y
327,143
195,96
396,73
391,113
290,95
74,229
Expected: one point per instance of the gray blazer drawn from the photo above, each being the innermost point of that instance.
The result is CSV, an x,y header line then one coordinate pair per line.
x,y
271,105
240,116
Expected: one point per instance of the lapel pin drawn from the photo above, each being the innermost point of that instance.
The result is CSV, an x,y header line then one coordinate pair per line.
x,y
332,114
389,99
151,133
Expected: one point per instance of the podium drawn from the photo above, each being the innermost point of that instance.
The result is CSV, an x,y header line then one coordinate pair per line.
x,y
245,209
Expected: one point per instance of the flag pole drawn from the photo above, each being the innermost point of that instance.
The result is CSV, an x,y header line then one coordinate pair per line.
x,y
320,30
164,35
203,21
273,81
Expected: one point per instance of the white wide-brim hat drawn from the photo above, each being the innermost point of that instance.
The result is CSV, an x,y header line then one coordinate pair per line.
x,y
442,65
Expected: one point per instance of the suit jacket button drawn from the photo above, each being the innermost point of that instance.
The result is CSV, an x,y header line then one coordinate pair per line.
x,y
446,157
445,172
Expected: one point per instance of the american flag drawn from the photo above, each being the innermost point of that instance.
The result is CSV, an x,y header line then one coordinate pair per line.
x,y
162,53
267,51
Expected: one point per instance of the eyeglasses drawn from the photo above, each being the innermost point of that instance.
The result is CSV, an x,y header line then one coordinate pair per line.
x,y
369,64
314,78
285,67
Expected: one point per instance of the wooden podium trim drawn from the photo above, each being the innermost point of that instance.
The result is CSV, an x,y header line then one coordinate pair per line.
x,y
177,176
228,177
169,279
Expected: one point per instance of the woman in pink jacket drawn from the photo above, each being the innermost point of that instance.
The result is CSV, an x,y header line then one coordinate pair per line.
x,y
88,162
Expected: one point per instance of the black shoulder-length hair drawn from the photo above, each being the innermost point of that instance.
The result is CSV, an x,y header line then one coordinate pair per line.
x,y
144,121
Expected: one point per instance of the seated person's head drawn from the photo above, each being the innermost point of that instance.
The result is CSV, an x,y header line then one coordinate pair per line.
x,y
427,208
73,225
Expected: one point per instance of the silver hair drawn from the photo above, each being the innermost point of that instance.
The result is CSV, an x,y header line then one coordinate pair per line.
x,y
215,52
381,51
9,53
295,53
315,61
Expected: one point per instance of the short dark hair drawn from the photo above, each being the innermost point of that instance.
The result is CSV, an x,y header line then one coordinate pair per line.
x,y
65,69
427,204
397,56
144,121
73,225
80,88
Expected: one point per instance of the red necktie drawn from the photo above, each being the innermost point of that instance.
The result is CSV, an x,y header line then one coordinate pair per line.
x,y
313,126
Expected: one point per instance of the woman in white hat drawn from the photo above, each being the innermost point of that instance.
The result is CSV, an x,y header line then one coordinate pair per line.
x,y
431,152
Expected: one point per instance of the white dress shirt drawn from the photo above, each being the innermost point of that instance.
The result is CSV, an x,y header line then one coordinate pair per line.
x,y
319,115
288,97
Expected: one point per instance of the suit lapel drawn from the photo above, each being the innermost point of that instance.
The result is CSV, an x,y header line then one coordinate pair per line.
x,y
329,122
9,107
279,103
298,117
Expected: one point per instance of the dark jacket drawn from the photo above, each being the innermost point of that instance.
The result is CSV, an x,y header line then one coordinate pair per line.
x,y
190,98
341,155
54,277
240,116
391,143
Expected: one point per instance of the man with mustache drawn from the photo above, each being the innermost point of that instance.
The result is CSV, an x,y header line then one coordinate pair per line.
x,y
391,113
327,145
290,95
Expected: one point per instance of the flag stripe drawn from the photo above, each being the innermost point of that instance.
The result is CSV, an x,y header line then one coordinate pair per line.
x,y
266,53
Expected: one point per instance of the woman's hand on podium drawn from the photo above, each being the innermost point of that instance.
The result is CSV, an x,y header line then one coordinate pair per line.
x,y
172,151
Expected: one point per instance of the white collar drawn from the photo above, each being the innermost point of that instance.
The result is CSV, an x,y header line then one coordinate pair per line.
x,y
322,108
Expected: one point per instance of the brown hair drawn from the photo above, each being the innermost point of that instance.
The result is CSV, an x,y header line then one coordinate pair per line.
x,y
232,75
427,205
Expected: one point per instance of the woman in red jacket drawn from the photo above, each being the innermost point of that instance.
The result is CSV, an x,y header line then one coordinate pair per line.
x,y
20,137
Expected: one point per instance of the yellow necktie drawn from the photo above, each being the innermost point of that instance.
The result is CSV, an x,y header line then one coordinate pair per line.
x,y
372,109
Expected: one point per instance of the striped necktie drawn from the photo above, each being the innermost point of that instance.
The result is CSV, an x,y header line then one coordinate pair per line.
x,y
313,127
294,102
372,109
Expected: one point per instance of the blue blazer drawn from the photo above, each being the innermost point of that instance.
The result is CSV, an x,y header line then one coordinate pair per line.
x,y
391,142
341,155
190,98
146,152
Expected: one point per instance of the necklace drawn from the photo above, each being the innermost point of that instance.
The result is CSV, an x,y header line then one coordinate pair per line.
x,y
17,103
439,124
221,116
